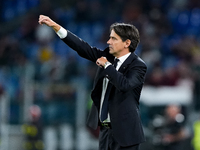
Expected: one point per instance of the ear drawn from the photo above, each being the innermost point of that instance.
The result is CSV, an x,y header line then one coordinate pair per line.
x,y
127,43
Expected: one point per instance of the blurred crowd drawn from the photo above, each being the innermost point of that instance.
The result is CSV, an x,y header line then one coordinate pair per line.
x,y
169,31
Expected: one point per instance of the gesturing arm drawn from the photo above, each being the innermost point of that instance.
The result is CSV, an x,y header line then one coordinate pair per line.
x,y
80,46
131,78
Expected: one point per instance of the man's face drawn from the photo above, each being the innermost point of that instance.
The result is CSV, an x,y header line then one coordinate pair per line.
x,y
116,45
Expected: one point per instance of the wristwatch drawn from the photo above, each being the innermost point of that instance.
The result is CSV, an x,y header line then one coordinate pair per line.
x,y
106,64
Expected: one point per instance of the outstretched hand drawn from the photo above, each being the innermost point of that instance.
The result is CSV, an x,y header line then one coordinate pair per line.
x,y
47,21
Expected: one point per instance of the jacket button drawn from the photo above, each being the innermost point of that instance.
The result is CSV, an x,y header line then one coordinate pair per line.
x,y
107,76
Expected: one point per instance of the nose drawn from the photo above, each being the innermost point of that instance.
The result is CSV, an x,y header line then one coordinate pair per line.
x,y
108,42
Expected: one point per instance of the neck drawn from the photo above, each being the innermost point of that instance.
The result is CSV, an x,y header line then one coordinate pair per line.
x,y
122,54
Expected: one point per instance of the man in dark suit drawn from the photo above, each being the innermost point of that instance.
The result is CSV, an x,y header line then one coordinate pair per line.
x,y
117,87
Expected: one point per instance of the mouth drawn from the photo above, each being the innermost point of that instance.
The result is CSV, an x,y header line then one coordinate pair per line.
x,y
110,47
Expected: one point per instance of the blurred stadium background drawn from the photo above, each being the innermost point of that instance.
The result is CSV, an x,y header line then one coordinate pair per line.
x,y
45,86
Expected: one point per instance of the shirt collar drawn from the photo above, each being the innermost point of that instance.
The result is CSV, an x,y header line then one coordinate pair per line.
x,y
123,58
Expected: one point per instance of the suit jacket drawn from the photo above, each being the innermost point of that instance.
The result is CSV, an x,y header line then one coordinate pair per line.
x,y
127,84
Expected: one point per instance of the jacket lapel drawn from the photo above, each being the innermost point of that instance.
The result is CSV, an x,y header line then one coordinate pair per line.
x,y
127,62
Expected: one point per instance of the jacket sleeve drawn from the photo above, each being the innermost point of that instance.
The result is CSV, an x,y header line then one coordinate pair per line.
x,y
82,48
134,76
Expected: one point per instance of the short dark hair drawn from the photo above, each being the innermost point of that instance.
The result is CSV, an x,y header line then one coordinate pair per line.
x,y
127,31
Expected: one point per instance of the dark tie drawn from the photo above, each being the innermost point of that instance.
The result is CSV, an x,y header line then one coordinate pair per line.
x,y
104,110
115,62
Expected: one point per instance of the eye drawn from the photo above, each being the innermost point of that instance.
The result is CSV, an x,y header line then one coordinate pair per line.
x,y
113,38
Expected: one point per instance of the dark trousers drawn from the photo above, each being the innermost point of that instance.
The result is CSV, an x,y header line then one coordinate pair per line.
x,y
107,142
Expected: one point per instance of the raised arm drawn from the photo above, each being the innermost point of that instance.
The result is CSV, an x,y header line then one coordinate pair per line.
x,y
74,42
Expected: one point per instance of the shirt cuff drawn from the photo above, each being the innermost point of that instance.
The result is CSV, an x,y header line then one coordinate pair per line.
x,y
62,33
